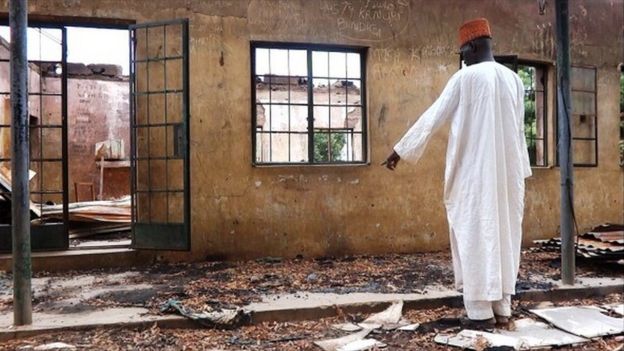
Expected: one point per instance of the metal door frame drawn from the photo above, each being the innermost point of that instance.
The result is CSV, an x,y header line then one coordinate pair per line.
x,y
143,230
46,237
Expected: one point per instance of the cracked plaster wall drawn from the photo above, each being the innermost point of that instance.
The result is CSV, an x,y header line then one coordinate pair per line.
x,y
239,211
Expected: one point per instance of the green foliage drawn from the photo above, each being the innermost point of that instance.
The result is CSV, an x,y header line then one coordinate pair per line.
x,y
322,146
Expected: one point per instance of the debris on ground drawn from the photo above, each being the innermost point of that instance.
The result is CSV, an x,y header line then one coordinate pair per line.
x,y
535,335
299,335
215,318
389,319
585,321
571,326
109,211
55,346
617,309
478,340
220,284
604,242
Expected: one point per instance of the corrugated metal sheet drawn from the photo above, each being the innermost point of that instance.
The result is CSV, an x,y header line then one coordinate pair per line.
x,y
605,241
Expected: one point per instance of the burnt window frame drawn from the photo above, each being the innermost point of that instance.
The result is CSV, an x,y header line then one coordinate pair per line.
x,y
545,96
573,115
310,77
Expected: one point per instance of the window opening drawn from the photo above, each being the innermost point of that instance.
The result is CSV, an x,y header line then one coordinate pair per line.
x,y
535,117
583,118
308,104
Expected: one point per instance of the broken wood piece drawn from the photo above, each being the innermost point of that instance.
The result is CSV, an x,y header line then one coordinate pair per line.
x,y
6,186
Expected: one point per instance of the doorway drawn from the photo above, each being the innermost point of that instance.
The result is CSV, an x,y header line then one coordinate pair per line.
x,y
106,172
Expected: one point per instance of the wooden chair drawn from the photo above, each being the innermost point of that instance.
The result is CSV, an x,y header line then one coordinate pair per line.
x,y
78,185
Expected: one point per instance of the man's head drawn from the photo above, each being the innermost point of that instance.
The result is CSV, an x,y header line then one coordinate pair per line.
x,y
475,41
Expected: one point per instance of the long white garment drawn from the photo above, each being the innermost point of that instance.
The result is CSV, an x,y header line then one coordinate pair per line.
x,y
486,163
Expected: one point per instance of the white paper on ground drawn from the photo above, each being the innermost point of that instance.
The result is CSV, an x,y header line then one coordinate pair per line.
x,y
585,321
361,345
387,319
335,344
55,346
348,327
468,339
409,327
534,334
619,309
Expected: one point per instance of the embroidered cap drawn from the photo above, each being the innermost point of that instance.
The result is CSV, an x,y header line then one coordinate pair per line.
x,y
473,29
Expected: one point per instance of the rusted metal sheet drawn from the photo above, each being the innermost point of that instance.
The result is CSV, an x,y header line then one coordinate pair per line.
x,y
605,241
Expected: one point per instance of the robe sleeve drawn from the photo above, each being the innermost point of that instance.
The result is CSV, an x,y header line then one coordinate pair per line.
x,y
524,152
412,145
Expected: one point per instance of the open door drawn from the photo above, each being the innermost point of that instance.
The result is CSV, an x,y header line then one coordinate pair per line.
x,y
159,107
47,104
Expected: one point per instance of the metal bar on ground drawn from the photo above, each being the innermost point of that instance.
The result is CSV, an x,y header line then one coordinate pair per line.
x,y
20,204
564,107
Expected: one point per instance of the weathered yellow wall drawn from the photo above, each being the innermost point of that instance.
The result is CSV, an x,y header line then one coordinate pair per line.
x,y
241,211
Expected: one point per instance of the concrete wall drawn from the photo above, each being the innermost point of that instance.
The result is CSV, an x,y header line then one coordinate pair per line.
x,y
98,111
242,211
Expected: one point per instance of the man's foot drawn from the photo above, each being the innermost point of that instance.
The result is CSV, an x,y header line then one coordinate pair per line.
x,y
478,324
504,322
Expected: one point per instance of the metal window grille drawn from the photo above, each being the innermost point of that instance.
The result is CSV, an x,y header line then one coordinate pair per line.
x,y
47,100
584,121
535,116
308,104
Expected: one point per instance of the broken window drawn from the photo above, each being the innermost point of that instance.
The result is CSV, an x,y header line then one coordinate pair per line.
x,y
583,119
534,79
308,104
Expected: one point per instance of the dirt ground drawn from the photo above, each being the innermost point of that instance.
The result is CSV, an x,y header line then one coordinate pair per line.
x,y
227,284
288,336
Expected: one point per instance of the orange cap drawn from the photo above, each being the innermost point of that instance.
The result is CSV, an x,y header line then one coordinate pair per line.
x,y
473,29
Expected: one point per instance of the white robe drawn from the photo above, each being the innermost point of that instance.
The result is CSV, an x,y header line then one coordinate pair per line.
x,y
486,164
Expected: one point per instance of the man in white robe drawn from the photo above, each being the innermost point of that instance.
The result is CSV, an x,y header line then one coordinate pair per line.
x,y
486,164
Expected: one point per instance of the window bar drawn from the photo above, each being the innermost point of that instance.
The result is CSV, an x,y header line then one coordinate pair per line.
x,y
595,117
133,168
310,109
544,82
352,146
166,134
363,135
149,167
65,136
41,112
187,132
289,101
254,106
346,83
346,117
329,90
270,110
